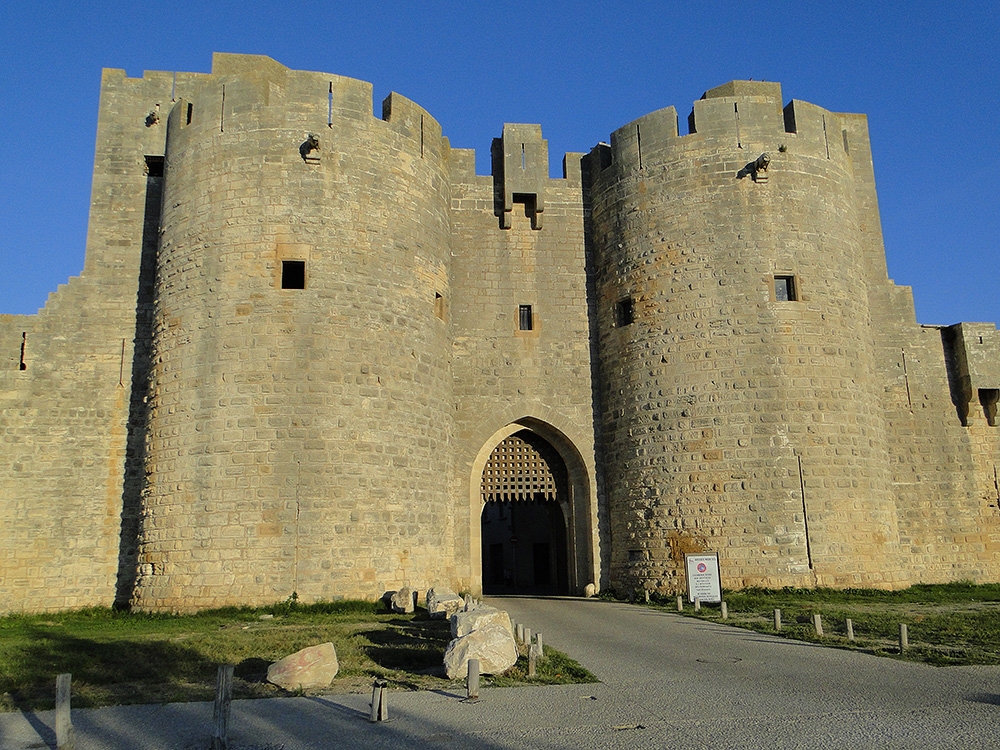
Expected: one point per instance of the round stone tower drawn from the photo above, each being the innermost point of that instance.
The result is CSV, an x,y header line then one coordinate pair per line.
x,y
300,418
739,408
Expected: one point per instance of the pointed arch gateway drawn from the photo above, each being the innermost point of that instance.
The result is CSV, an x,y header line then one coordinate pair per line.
x,y
532,493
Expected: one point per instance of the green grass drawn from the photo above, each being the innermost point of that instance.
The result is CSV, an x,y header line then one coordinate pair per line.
x,y
131,657
948,624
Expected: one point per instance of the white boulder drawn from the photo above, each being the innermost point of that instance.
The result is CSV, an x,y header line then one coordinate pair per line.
x,y
492,644
312,667
442,602
402,601
463,623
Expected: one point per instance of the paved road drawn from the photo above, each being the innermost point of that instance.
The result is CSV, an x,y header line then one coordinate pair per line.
x,y
667,682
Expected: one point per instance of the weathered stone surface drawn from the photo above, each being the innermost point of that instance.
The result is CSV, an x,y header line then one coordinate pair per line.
x,y
492,644
463,623
402,601
589,590
757,373
312,667
442,602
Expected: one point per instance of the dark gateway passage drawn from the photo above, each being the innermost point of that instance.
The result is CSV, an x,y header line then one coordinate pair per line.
x,y
523,523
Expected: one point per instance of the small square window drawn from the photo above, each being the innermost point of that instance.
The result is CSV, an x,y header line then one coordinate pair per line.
x,y
784,289
624,312
525,319
154,166
293,274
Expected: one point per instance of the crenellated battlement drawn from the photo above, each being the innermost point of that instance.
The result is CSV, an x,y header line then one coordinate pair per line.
x,y
740,117
309,337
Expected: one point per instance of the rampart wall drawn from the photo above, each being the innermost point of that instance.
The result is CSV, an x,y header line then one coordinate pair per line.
x,y
301,329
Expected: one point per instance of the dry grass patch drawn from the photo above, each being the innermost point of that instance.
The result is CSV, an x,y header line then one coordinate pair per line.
x,y
123,657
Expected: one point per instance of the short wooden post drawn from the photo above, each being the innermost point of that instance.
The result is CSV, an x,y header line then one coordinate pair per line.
x,y
527,637
472,683
725,611
818,623
65,739
697,604
380,707
850,629
646,592
520,633
904,641
777,619
533,659
680,603
541,651
223,701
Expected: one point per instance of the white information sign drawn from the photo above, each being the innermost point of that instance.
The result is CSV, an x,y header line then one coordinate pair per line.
x,y
703,580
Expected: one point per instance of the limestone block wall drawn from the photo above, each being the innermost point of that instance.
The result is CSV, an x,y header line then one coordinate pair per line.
x,y
733,419
944,456
299,437
539,378
66,377
300,331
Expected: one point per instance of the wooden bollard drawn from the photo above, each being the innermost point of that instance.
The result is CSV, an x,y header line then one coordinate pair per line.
x,y
818,623
541,650
472,683
725,611
680,603
533,659
65,739
904,641
223,702
520,633
646,592
380,707
777,619
850,629
697,604
527,637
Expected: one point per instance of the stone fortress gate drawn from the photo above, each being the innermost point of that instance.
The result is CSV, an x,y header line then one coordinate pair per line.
x,y
312,351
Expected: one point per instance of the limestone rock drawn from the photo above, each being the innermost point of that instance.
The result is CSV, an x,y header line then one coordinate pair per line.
x,y
463,623
492,644
442,602
402,601
312,667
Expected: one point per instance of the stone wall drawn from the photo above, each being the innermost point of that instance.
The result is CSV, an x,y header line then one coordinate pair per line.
x,y
65,428
299,437
507,378
300,332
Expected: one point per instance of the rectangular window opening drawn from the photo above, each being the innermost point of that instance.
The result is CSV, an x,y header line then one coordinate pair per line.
x,y
190,111
624,312
293,274
525,318
439,305
154,166
785,289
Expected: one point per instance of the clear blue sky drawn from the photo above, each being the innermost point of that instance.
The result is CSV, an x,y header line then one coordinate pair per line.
x,y
925,73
